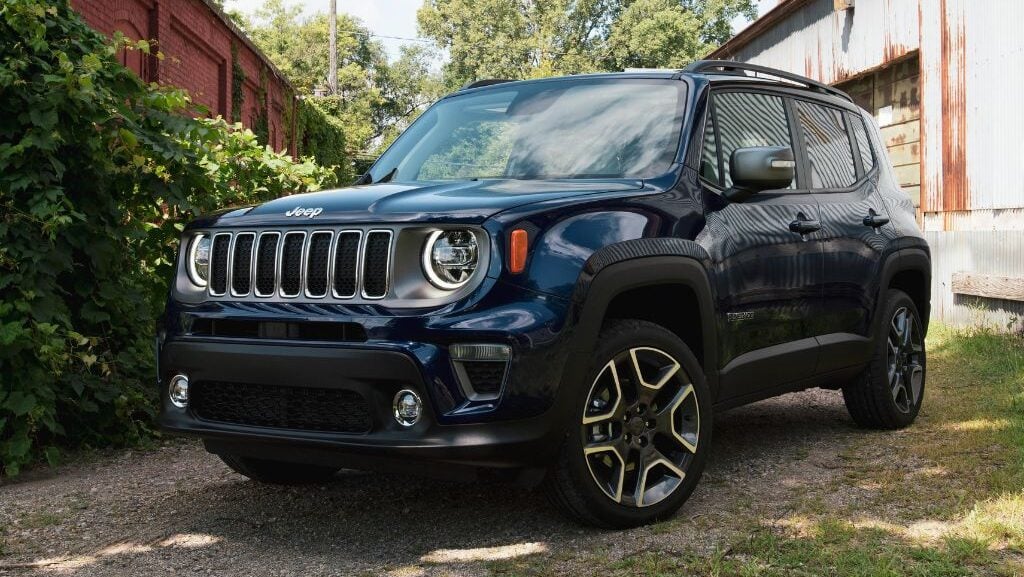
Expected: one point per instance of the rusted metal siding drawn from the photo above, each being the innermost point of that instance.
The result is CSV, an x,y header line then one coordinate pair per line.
x,y
891,96
832,46
970,82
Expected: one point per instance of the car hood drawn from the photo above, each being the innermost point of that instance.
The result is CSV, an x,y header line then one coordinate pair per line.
x,y
454,202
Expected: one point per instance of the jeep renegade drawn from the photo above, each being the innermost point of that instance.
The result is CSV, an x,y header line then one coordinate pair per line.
x,y
564,278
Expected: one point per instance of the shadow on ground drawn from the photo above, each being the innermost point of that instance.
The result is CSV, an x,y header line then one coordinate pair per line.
x,y
193,513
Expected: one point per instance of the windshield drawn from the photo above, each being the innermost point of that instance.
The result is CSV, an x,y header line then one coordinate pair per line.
x,y
573,128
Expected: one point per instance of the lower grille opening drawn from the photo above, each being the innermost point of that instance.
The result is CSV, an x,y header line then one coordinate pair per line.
x,y
297,408
485,377
299,331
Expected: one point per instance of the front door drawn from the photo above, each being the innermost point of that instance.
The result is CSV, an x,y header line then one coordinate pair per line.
x,y
766,252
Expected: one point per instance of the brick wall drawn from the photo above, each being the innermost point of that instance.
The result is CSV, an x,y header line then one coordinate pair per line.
x,y
196,39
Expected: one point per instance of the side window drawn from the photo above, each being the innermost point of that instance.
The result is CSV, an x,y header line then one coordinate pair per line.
x,y
867,155
828,145
748,119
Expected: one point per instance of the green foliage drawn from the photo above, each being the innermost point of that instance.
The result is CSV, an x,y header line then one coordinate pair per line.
x,y
320,133
376,99
526,39
97,171
237,85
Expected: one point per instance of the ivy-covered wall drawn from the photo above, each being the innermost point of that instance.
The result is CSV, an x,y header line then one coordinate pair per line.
x,y
99,171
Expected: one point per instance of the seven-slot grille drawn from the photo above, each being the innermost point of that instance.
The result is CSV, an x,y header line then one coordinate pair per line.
x,y
340,264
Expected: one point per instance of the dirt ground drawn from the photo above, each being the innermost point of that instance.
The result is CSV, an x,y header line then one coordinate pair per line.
x,y
178,510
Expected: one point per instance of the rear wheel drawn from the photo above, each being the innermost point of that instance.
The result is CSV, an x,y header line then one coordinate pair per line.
x,y
888,394
278,472
641,433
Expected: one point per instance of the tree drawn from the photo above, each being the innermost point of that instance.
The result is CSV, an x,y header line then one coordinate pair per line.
x,y
528,38
375,97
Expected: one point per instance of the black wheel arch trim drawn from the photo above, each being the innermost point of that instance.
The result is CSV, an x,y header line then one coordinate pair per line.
x,y
916,260
628,265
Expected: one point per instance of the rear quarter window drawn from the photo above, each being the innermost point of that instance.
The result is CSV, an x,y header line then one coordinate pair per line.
x,y
867,154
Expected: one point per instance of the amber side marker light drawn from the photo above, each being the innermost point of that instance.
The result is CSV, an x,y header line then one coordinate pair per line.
x,y
517,247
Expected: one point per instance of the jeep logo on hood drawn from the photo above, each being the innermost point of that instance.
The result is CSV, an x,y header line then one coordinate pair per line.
x,y
306,212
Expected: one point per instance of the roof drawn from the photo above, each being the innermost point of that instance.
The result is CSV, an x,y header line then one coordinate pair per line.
x,y
219,13
781,11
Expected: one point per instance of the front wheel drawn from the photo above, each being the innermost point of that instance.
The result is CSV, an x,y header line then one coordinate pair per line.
x,y
888,394
641,433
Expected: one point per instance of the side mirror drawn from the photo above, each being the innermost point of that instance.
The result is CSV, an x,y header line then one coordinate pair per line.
x,y
759,168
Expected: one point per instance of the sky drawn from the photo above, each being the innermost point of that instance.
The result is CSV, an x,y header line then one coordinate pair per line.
x,y
392,17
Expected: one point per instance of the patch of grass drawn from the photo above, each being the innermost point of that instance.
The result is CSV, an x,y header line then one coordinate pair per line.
x,y
40,519
962,464
837,547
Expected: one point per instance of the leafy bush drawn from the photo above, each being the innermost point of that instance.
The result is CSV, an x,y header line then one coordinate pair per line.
x,y
97,172
320,132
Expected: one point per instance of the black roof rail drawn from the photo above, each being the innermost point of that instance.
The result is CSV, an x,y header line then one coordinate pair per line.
x,y
733,67
484,82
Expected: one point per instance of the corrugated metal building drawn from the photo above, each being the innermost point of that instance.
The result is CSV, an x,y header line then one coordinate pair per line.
x,y
943,79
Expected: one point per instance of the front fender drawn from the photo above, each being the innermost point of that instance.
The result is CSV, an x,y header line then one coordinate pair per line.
x,y
622,267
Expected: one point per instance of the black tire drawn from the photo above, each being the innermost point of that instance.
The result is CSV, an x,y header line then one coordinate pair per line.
x,y
683,400
278,472
874,399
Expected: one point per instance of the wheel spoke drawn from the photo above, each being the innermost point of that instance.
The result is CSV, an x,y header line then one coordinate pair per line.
x,y
897,325
665,372
667,422
897,386
615,411
894,350
908,331
617,475
916,379
647,462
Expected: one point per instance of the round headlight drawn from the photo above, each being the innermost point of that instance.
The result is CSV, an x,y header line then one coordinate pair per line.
x,y
450,257
199,260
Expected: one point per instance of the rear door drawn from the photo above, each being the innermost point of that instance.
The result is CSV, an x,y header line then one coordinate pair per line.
x,y
855,230
767,275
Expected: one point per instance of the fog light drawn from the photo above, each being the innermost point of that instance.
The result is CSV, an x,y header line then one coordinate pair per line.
x,y
408,408
178,391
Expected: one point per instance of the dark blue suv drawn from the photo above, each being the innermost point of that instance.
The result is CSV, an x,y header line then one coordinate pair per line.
x,y
561,279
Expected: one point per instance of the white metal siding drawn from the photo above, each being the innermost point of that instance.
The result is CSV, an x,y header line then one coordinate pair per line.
x,y
986,252
832,46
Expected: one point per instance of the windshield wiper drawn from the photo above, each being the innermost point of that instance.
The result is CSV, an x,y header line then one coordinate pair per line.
x,y
367,179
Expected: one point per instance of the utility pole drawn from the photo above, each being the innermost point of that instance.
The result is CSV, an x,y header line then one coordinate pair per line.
x,y
332,74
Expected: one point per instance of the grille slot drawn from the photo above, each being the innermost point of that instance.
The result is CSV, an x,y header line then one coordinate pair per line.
x,y
346,256
291,264
321,264
241,267
341,332
266,264
485,376
219,264
318,258
375,264
282,407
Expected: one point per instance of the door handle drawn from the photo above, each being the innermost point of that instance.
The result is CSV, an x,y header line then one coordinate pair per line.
x,y
803,225
875,220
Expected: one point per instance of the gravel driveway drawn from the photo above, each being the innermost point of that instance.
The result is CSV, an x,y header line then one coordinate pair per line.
x,y
178,509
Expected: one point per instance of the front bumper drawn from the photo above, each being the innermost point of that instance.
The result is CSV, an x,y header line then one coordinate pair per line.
x,y
376,374
522,428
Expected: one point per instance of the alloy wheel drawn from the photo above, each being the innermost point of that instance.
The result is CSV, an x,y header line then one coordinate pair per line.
x,y
640,427
905,360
